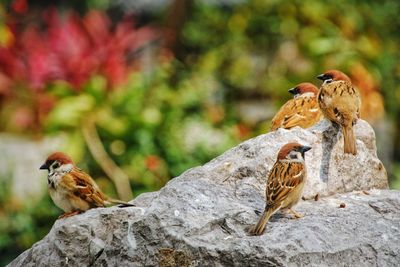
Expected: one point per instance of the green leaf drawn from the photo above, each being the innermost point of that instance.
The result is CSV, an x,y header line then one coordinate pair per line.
x,y
69,111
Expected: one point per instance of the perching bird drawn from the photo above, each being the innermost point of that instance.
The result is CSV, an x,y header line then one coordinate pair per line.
x,y
303,110
285,183
340,103
71,189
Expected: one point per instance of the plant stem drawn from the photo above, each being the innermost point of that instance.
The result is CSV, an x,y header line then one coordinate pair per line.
x,y
96,148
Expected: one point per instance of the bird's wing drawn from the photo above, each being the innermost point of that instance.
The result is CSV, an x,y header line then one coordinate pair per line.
x,y
326,101
301,111
81,185
287,111
340,102
283,178
277,120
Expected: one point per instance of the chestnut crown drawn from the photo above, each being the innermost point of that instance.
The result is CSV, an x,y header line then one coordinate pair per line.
x,y
334,75
292,151
58,157
303,88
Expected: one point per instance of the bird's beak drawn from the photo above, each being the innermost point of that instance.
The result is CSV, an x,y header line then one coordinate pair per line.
x,y
44,167
321,77
293,91
305,149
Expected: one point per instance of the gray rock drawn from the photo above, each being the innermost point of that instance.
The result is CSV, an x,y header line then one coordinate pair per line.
x,y
201,217
329,169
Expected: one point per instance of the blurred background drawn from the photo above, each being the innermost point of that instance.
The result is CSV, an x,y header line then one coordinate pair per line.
x,y
139,91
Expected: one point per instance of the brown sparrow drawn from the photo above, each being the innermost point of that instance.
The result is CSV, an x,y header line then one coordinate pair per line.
x,y
71,189
340,103
285,183
302,110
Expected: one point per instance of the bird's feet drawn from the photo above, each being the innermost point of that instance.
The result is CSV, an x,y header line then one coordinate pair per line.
x,y
69,214
295,214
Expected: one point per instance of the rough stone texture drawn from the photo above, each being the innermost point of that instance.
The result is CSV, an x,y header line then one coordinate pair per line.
x,y
329,169
201,218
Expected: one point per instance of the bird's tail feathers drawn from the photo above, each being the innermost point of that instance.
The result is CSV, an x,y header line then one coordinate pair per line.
x,y
120,202
259,228
349,140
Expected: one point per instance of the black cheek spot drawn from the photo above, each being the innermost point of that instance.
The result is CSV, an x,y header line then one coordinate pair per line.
x,y
336,111
51,183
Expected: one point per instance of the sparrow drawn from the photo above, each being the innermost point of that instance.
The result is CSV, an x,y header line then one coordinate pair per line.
x,y
284,185
71,189
340,103
302,110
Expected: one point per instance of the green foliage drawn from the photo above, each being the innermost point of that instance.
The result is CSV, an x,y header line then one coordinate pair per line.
x,y
395,181
265,47
152,130
293,41
182,113
22,224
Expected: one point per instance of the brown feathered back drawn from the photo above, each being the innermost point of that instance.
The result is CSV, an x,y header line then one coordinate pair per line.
x,y
340,103
302,110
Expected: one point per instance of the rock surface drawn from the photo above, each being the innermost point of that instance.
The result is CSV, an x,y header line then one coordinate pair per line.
x,y
201,217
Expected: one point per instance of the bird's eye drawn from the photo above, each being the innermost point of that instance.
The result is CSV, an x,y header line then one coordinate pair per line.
x,y
293,156
327,81
56,165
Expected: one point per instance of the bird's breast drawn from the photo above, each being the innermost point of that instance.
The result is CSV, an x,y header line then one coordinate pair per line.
x,y
57,194
53,180
60,199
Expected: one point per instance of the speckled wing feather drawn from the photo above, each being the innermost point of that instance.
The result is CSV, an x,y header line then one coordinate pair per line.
x,y
340,102
301,111
283,178
81,185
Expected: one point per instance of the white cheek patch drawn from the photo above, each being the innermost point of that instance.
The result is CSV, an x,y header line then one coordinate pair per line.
x,y
66,167
308,94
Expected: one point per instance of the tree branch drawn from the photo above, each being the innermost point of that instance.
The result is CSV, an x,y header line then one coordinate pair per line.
x,y
96,148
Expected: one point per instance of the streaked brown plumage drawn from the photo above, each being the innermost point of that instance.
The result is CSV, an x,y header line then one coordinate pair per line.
x,y
340,103
285,183
71,189
302,110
